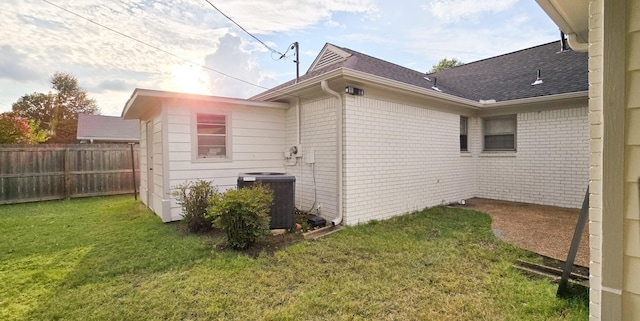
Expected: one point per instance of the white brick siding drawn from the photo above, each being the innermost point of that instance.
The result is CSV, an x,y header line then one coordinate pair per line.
x,y
400,158
550,166
595,158
318,136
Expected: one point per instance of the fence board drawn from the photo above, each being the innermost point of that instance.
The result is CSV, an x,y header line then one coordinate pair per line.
x,y
30,173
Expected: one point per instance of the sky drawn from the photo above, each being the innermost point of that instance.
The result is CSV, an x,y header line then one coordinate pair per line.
x,y
188,46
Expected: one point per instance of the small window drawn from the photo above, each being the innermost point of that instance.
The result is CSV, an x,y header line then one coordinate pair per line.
x,y
500,133
464,125
211,135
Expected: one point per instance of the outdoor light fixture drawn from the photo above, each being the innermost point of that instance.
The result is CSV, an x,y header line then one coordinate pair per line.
x,y
354,91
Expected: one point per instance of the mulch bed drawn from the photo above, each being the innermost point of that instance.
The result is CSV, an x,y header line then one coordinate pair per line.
x,y
546,230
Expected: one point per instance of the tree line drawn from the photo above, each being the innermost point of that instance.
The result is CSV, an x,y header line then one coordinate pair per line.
x,y
47,117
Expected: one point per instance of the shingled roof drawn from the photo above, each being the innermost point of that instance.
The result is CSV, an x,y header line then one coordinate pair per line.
x,y
505,77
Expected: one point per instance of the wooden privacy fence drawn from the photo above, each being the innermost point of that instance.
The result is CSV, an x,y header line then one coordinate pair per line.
x,y
31,173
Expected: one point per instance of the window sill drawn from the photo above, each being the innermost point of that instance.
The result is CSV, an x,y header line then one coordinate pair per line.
x,y
465,153
212,160
505,153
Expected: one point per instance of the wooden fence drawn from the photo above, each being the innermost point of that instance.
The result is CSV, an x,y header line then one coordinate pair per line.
x,y
31,173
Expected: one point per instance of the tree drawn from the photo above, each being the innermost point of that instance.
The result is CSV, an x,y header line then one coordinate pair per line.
x,y
445,63
18,130
57,111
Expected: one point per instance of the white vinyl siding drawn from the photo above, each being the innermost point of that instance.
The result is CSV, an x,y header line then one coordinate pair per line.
x,y
500,133
256,137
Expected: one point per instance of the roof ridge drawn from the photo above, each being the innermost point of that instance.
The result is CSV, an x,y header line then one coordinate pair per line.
x,y
498,56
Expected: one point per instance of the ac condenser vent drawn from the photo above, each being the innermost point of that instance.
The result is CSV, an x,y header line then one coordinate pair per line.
x,y
283,186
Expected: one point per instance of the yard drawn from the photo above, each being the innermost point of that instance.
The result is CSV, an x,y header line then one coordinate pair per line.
x,y
112,259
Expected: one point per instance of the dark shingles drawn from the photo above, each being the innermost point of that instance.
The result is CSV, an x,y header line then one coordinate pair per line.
x,y
510,76
504,77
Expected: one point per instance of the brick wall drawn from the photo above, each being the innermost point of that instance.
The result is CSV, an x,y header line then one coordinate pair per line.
x,y
400,158
318,136
595,157
550,166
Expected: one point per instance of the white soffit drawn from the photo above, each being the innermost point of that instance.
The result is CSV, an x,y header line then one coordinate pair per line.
x,y
571,16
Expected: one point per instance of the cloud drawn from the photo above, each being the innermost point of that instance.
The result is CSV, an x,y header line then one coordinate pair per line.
x,y
233,60
13,66
454,10
513,34
114,85
291,15
38,39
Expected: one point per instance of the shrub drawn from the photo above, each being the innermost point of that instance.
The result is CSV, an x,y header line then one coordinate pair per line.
x,y
194,197
243,214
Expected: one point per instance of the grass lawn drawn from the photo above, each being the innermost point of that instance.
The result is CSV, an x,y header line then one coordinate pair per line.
x,y
112,259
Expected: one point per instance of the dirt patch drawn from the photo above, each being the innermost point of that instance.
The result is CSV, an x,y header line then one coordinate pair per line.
x,y
268,244
546,230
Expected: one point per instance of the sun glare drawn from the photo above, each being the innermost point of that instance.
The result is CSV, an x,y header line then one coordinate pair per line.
x,y
190,78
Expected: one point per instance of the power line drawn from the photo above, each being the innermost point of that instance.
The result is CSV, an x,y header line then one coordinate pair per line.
x,y
282,55
165,51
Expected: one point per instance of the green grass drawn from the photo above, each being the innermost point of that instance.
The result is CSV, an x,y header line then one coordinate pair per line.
x,y
111,259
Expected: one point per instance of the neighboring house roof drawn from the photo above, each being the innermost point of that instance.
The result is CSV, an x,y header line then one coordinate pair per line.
x,y
501,78
107,128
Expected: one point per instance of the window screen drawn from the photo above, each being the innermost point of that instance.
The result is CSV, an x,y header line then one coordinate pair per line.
x,y
500,133
211,136
463,133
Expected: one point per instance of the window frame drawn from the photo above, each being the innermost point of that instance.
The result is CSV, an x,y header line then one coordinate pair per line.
x,y
194,137
514,134
466,134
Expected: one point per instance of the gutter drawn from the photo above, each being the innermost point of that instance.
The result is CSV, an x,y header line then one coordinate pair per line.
x,y
532,100
576,44
339,165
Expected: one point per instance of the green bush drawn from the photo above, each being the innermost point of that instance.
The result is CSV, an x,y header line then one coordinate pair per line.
x,y
243,214
194,197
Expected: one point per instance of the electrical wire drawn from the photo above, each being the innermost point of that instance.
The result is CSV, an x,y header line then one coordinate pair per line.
x,y
282,55
167,52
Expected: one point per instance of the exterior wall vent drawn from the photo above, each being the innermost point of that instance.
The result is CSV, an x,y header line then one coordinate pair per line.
x,y
327,59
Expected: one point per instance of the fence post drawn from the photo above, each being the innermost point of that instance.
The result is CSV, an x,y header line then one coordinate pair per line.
x,y
133,173
67,174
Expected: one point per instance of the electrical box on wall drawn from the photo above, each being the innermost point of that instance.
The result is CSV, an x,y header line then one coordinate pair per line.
x,y
310,156
296,150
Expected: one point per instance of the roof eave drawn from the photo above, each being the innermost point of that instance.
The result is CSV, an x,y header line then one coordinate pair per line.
x,y
132,109
549,102
350,74
572,17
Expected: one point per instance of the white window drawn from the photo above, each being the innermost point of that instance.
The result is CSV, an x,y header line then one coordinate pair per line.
x,y
500,133
464,128
211,136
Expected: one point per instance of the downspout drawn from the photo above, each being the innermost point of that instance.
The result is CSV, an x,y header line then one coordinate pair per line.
x,y
576,44
339,108
298,121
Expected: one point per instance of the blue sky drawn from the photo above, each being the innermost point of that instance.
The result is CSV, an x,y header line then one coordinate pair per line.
x,y
38,39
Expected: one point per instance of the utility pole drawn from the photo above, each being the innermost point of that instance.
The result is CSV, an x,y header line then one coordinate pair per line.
x,y
297,61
